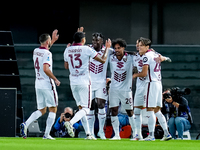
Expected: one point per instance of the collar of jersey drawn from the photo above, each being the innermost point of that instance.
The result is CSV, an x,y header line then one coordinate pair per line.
x,y
42,48
76,44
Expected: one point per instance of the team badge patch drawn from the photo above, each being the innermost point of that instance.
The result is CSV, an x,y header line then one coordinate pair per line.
x,y
145,59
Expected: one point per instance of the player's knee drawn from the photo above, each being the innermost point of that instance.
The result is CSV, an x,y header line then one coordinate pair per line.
x,y
137,111
114,111
87,110
129,113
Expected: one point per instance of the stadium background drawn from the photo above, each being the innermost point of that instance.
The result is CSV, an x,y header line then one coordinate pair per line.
x,y
173,27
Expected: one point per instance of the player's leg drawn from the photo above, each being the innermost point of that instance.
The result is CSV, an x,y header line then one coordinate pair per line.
x,y
150,104
101,117
36,114
113,105
51,100
127,104
151,124
115,123
138,122
49,122
139,104
159,115
83,101
131,118
163,123
91,117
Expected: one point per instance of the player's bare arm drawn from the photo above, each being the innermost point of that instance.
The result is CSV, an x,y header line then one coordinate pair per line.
x,y
55,36
50,74
143,73
105,55
164,58
66,65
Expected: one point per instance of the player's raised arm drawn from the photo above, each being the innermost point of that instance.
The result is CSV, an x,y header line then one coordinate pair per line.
x,y
55,36
80,29
105,55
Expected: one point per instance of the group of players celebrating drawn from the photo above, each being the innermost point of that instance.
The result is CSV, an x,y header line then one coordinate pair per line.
x,y
88,67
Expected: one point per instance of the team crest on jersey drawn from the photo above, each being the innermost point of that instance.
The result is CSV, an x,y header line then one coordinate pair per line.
x,y
120,64
145,59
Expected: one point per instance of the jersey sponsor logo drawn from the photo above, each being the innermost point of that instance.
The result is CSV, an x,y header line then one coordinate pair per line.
x,y
48,59
140,63
120,64
145,59
119,77
96,68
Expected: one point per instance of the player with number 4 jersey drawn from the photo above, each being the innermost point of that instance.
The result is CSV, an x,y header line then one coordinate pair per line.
x,y
46,93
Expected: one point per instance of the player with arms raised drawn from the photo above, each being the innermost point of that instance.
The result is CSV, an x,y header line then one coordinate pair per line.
x,y
76,59
46,93
98,84
151,70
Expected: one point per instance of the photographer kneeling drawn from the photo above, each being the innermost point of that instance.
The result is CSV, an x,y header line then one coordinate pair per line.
x,y
178,111
59,129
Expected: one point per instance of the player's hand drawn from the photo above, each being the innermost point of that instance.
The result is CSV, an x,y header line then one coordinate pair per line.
x,y
108,43
55,35
69,44
80,29
57,82
134,76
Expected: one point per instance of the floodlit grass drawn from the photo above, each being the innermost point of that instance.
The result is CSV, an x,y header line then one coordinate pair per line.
x,y
7,143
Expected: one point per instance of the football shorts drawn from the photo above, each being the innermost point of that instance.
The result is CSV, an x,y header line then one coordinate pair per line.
x,y
117,96
46,98
99,91
82,95
139,98
153,94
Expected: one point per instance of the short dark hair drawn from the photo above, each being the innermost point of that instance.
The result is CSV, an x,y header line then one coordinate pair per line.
x,y
145,41
96,34
43,37
121,42
78,36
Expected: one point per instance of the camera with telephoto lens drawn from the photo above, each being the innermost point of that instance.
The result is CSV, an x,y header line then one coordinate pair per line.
x,y
68,115
177,92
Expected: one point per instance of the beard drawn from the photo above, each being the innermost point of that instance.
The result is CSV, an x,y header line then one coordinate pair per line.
x,y
49,45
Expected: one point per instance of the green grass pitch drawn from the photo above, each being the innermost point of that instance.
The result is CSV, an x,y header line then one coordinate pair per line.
x,y
7,143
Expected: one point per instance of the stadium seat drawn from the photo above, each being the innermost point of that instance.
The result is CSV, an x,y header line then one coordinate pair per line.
x,y
186,135
34,129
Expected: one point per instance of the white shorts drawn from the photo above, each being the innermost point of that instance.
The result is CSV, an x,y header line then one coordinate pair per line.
x,y
46,98
116,96
153,94
99,91
139,98
82,95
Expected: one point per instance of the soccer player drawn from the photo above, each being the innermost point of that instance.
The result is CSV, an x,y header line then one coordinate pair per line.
x,y
98,85
46,93
151,70
77,59
139,102
121,66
